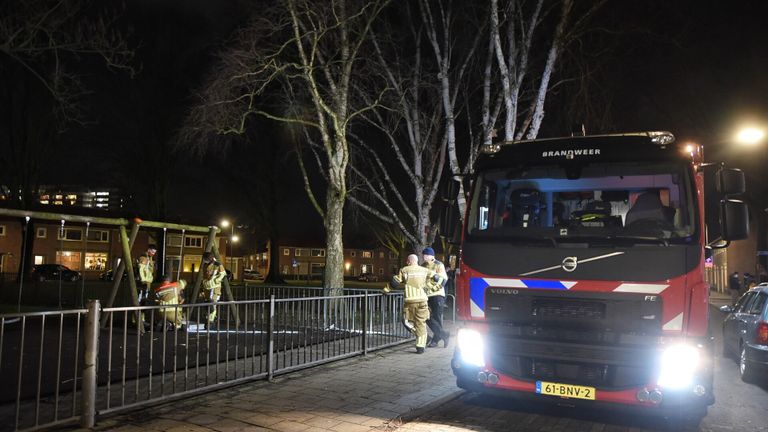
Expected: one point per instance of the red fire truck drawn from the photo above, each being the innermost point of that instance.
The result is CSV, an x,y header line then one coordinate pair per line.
x,y
581,275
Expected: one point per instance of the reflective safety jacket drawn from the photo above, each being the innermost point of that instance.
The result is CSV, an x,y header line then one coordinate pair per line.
x,y
169,292
435,288
413,280
214,274
146,271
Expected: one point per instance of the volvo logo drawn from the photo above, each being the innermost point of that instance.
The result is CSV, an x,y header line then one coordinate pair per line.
x,y
569,264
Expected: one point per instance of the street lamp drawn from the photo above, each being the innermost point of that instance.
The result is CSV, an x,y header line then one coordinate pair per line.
x,y
232,238
750,135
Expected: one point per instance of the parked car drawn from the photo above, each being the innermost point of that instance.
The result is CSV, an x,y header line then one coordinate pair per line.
x,y
368,277
745,333
44,272
109,275
252,274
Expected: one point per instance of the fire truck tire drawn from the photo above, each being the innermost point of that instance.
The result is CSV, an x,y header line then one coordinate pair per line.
x,y
746,369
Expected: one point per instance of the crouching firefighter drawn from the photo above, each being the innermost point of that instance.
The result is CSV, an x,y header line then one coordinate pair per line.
x,y
413,280
169,294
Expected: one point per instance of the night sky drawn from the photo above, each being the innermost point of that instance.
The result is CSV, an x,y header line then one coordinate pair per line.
x,y
696,68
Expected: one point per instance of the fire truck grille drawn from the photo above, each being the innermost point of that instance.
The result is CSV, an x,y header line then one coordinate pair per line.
x,y
602,376
567,309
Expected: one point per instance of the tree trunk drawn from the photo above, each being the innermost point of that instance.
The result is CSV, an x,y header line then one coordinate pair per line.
x,y
273,272
333,282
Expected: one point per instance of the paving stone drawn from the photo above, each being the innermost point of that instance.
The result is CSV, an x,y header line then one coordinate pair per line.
x,y
257,418
203,419
188,428
350,427
230,425
289,426
322,422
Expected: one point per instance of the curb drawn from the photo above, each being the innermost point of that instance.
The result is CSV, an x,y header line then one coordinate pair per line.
x,y
421,410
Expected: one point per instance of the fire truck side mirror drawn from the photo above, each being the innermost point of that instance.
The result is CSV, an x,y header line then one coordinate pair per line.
x,y
734,219
730,181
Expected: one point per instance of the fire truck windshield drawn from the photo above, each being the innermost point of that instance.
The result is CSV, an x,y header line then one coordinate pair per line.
x,y
638,202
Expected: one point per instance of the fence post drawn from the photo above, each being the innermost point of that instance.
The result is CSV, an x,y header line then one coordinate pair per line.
x,y
365,323
90,361
271,339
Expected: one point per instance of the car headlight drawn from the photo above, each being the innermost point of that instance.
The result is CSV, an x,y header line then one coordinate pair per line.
x,y
471,347
678,366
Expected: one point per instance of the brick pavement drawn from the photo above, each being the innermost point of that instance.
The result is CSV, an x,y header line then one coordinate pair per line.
x,y
358,394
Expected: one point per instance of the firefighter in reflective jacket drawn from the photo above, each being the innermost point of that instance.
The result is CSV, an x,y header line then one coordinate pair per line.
x,y
146,273
436,302
413,280
214,274
169,294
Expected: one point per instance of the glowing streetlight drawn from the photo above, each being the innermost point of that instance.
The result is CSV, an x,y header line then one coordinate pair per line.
x,y
225,223
750,135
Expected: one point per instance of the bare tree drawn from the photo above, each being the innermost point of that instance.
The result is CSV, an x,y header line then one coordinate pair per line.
x,y
310,54
391,238
443,27
514,83
397,182
42,43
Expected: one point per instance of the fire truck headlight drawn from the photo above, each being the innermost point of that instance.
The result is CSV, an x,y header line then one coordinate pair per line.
x,y
471,347
678,366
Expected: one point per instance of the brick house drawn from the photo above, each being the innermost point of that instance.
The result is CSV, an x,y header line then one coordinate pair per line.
x,y
99,250
308,261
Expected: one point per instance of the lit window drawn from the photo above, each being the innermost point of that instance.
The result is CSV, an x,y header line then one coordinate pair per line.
x,y
287,252
367,254
69,259
381,254
318,252
96,261
39,260
192,263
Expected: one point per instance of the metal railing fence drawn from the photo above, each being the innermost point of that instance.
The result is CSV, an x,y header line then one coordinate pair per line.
x,y
61,366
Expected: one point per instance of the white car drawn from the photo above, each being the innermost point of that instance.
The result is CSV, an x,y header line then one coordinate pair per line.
x,y
252,274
